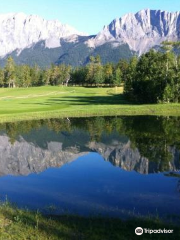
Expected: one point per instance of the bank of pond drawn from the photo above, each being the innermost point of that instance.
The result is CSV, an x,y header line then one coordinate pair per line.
x,y
18,224
90,178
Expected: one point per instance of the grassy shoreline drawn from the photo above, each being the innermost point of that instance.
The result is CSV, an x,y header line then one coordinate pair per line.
x,y
60,102
18,224
153,110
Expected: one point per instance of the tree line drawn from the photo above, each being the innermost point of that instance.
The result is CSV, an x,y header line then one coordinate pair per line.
x,y
94,73
13,75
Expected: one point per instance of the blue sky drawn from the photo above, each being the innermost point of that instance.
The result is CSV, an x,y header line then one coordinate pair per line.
x,y
85,15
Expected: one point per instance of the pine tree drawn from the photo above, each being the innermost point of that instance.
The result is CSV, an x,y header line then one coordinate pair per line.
x,y
108,73
1,77
26,76
98,75
117,77
10,73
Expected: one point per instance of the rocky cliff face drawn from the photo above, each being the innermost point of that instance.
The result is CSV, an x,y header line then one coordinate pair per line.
x,y
129,159
31,35
23,158
19,31
141,31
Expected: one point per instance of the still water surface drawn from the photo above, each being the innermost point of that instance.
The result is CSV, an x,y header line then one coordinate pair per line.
x,y
117,166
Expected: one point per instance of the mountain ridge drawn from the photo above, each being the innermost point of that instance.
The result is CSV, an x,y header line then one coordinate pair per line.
x,y
141,31
19,31
131,34
24,157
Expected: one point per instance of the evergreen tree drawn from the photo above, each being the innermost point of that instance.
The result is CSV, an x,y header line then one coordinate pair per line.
x,y
130,75
95,71
123,66
35,73
9,73
108,73
117,77
26,77
98,75
1,77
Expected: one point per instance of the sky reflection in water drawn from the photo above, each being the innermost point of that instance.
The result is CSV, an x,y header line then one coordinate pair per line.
x,y
81,171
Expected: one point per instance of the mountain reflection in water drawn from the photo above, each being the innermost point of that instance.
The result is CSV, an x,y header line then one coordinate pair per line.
x,y
138,145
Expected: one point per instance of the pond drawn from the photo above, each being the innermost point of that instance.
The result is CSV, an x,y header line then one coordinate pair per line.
x,y
115,166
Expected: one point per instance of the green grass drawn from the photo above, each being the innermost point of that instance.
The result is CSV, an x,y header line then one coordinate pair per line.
x,y
52,102
17,224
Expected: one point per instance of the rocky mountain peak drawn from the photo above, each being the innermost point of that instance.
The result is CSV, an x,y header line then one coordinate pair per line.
x,y
22,36
141,31
19,31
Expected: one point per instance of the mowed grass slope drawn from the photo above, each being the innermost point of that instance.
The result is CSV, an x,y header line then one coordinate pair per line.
x,y
42,99
47,102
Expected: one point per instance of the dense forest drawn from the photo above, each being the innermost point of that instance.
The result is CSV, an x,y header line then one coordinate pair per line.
x,y
155,76
152,78
95,72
